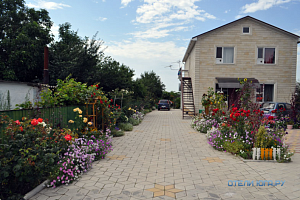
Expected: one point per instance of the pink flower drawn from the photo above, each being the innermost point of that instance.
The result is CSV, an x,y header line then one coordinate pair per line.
x,y
18,122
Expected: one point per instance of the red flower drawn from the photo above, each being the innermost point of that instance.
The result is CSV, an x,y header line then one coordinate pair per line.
x,y
247,115
92,96
55,141
270,118
234,109
108,106
21,128
34,122
237,114
274,111
101,101
117,105
213,114
232,105
97,85
40,120
284,109
223,112
18,122
111,100
68,137
105,101
248,111
231,115
94,93
243,114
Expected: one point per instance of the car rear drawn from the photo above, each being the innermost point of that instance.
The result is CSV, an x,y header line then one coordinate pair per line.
x,y
163,104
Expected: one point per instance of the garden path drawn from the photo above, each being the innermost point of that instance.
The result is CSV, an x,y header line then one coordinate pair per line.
x,y
164,158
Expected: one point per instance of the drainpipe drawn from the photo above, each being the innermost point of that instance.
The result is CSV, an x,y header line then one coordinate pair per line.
x,y
46,63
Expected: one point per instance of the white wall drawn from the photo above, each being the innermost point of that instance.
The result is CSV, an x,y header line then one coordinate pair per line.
x,y
18,92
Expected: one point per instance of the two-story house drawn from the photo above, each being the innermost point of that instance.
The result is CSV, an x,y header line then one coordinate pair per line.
x,y
245,48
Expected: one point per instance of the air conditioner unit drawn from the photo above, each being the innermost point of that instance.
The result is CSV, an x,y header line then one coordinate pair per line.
x,y
260,61
219,60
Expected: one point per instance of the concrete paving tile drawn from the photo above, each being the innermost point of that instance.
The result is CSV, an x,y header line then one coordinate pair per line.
x,y
180,162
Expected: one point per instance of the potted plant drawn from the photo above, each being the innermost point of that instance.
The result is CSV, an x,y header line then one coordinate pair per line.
x,y
290,124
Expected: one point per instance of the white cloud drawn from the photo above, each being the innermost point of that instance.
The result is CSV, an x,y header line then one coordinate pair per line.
x,y
47,5
239,16
227,11
54,31
102,19
262,5
159,14
125,2
156,33
168,10
144,56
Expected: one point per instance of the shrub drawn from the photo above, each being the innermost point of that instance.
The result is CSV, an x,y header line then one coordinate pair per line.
x,y
117,132
233,147
126,126
133,121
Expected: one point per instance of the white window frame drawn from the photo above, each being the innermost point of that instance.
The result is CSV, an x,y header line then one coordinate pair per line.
x,y
220,60
249,30
261,61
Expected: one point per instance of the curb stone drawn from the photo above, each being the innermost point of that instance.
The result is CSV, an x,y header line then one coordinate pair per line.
x,y
36,190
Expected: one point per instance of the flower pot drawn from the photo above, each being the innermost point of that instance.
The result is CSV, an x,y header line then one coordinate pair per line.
x,y
289,126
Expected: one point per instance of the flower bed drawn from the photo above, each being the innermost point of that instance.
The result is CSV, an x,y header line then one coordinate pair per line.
x,y
31,146
243,127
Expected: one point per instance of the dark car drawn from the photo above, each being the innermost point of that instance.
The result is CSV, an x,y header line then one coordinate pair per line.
x,y
268,107
164,104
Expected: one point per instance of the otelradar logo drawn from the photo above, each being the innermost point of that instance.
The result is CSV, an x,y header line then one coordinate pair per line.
x,y
255,183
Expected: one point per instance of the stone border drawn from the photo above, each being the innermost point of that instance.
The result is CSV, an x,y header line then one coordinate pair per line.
x,y
250,160
36,190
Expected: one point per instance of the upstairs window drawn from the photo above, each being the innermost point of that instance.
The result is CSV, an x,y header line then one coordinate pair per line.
x,y
225,55
246,30
265,55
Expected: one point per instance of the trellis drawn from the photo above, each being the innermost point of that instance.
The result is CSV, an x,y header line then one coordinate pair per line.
x,y
94,112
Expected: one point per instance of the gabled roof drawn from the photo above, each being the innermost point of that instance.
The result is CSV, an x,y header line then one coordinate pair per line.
x,y
194,39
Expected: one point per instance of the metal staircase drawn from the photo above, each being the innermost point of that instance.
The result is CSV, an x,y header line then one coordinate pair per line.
x,y
188,106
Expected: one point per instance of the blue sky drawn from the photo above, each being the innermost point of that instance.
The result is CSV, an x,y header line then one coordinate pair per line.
x,y
149,35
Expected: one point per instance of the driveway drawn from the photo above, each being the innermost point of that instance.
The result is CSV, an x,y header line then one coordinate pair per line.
x,y
164,158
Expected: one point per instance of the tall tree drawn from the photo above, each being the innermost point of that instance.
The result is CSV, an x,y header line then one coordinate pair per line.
x,y
74,55
23,34
153,84
111,75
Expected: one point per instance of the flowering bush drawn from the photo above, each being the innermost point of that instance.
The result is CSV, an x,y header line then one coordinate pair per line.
x,y
202,125
243,126
79,157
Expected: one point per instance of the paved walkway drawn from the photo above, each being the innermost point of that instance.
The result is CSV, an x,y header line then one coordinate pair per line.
x,y
164,158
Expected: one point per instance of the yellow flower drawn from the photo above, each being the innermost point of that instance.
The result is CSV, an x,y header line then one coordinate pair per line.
x,y
75,109
80,115
71,121
90,123
79,111
85,120
129,108
245,79
111,113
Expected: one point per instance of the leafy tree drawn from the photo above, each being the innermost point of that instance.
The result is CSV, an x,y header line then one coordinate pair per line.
x,y
74,55
111,75
24,33
153,84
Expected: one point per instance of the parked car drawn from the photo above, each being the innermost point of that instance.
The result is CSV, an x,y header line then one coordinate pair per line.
x,y
163,104
270,107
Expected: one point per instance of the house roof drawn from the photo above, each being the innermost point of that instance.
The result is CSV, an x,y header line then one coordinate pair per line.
x,y
194,39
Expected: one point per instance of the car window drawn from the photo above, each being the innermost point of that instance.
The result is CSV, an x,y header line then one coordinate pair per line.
x,y
288,106
280,106
269,105
163,101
